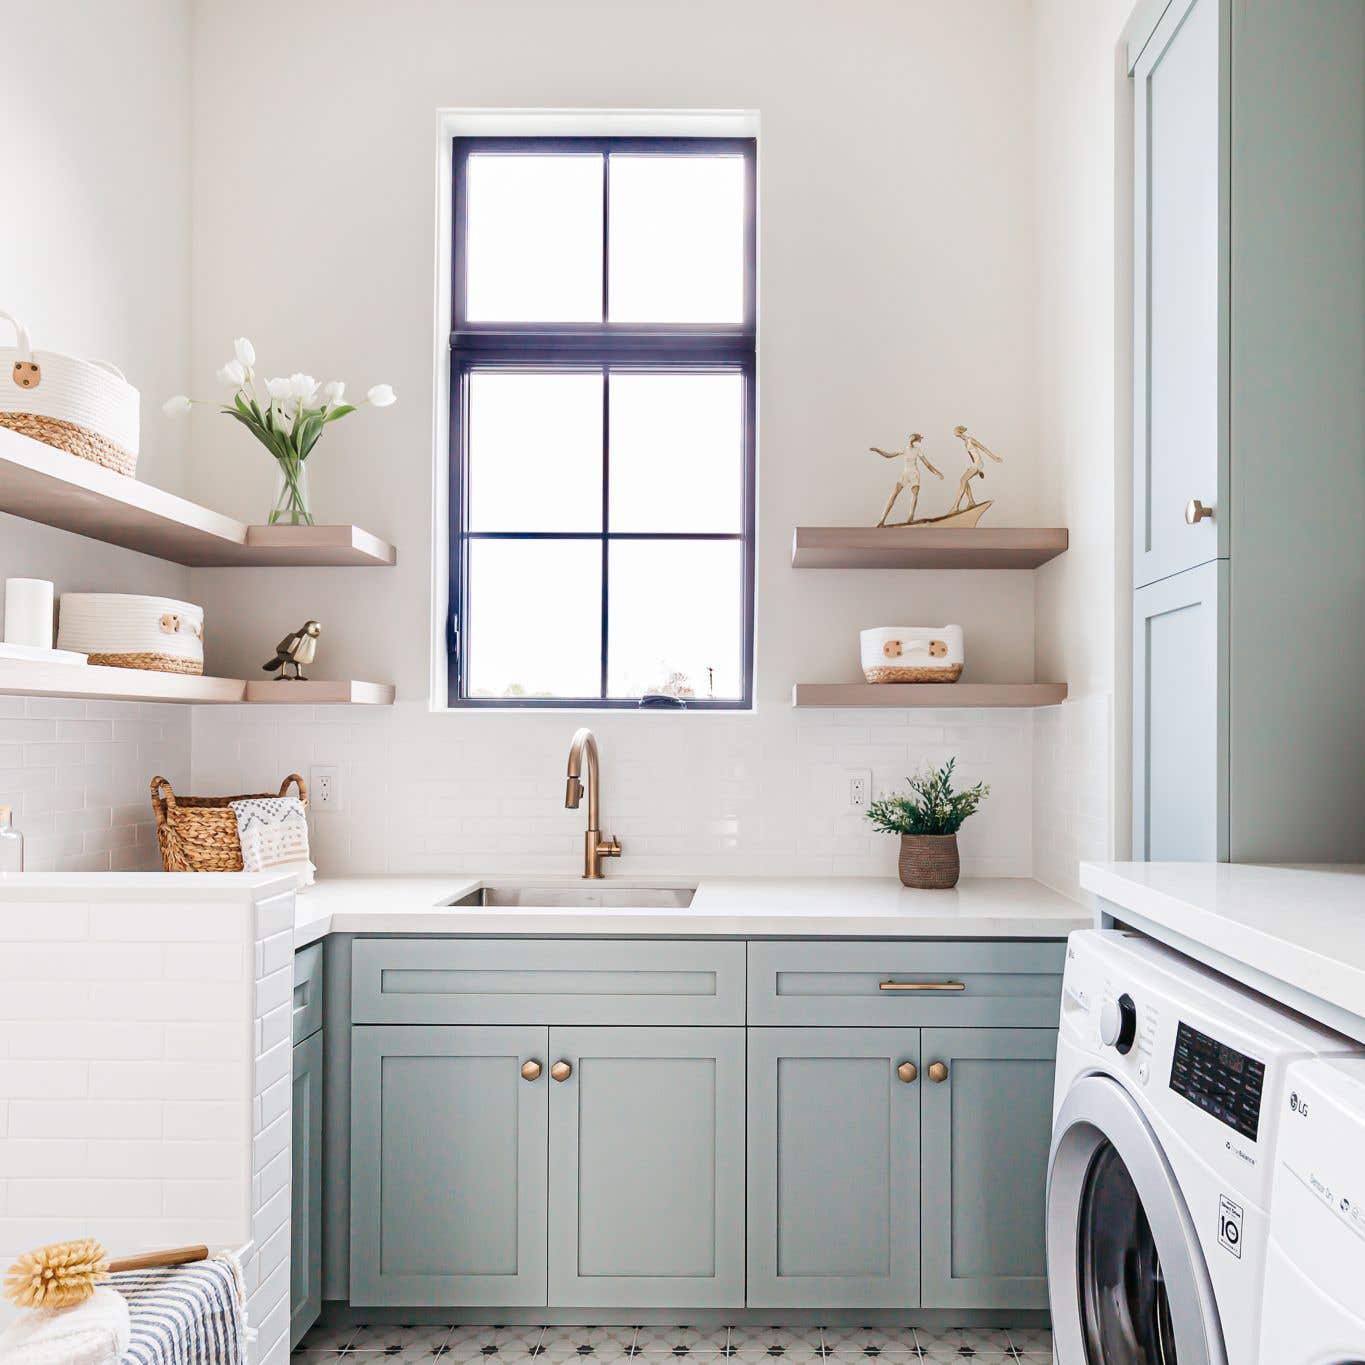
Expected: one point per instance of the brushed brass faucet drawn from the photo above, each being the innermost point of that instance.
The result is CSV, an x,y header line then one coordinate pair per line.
x,y
595,847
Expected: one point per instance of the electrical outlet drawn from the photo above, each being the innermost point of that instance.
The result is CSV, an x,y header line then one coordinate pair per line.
x,y
324,789
860,788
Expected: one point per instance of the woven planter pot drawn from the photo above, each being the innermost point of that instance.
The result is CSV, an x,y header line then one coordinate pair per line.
x,y
929,862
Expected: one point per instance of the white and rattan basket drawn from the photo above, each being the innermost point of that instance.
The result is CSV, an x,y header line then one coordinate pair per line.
x,y
85,407
912,654
122,630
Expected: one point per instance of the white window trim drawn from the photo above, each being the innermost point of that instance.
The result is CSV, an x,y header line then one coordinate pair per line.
x,y
453,123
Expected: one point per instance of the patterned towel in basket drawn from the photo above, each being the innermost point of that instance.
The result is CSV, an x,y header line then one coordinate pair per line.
x,y
273,831
185,1315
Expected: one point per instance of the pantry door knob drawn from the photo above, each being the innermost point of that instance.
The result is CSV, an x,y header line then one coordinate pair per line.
x,y
938,1072
530,1071
907,1071
1195,511
561,1070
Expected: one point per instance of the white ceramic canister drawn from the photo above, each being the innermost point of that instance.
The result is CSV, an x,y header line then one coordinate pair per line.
x,y
904,654
28,612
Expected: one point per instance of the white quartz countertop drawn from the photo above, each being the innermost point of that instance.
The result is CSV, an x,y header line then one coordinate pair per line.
x,y
835,907
1303,927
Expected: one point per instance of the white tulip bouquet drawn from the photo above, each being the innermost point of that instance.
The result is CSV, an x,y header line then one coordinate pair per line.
x,y
287,420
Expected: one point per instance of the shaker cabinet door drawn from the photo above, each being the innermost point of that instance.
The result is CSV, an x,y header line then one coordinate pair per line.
x,y
305,1207
647,1167
448,1169
1180,296
1180,717
834,1162
987,1132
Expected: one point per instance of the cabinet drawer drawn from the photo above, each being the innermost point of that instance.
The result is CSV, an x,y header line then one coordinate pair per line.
x,y
307,991
547,981
929,981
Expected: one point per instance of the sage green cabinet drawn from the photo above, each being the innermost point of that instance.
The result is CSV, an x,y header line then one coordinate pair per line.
x,y
448,1166
305,1209
1248,296
525,1165
647,1168
834,1168
986,1131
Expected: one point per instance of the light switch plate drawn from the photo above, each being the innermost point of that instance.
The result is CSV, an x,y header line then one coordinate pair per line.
x,y
324,788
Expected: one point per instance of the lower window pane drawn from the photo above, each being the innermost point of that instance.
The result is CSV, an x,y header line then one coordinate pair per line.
x,y
676,618
535,618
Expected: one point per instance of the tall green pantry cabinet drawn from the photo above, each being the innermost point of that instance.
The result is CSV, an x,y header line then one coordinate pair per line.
x,y
1248,430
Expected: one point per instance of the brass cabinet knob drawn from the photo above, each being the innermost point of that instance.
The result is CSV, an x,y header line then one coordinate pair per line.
x,y
1195,511
561,1071
907,1071
530,1071
938,1072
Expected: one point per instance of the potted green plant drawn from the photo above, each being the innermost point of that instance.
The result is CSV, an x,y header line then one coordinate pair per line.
x,y
927,818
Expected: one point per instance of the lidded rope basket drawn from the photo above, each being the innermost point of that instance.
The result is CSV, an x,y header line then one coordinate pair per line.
x,y
199,833
85,407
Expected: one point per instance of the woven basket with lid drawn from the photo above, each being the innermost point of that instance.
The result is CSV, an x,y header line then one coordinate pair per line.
x,y
199,833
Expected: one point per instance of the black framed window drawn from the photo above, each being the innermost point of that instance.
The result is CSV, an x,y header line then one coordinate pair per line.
x,y
602,422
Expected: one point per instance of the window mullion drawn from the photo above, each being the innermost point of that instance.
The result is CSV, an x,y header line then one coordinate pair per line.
x,y
606,524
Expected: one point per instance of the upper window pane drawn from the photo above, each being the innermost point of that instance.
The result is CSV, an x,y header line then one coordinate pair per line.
x,y
534,238
677,452
677,239
535,451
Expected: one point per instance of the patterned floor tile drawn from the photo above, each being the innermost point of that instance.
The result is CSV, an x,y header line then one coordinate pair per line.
x,y
775,1343
680,1342
588,1344
403,1344
1036,1341
327,1339
869,1343
497,1345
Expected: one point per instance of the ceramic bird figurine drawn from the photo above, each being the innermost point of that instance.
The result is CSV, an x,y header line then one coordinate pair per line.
x,y
297,648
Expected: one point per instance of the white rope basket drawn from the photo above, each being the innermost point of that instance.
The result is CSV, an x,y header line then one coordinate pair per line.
x,y
85,407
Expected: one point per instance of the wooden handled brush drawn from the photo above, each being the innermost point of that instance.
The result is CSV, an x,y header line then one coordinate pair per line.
x,y
66,1273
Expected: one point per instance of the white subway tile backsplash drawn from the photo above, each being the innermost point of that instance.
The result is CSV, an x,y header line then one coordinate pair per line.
x,y
702,793
77,773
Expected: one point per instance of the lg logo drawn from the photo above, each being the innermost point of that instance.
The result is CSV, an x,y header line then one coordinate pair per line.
x,y
1298,1106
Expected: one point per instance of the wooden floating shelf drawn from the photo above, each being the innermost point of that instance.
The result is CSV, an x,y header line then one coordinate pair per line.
x,y
319,692
925,547
929,695
43,484
94,682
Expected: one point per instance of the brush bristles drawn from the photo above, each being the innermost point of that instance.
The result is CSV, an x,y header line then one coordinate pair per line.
x,y
57,1276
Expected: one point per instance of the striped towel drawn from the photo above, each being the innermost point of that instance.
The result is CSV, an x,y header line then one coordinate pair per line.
x,y
185,1315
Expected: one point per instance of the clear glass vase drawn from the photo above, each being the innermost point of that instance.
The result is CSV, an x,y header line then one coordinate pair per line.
x,y
291,495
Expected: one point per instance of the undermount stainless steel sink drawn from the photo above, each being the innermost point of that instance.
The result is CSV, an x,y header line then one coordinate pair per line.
x,y
587,897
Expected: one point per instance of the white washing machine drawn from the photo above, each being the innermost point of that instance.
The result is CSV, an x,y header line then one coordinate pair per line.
x,y
1170,1089
1314,1306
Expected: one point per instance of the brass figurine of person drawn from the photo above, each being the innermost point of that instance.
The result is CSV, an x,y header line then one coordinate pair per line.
x,y
909,477
976,468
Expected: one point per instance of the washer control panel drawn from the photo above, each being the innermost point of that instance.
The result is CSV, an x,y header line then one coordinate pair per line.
x,y
1220,1080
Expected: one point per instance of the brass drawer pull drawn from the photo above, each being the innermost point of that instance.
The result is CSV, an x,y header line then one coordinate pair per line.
x,y
907,1071
922,986
561,1070
938,1072
530,1071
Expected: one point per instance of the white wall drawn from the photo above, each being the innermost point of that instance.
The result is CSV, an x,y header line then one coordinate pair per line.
x,y
897,290
1082,211
94,258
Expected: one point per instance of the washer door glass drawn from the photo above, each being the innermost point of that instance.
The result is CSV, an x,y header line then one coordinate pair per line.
x,y
1125,1314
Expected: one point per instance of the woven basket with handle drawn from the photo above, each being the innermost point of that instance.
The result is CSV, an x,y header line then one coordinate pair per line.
x,y
199,833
